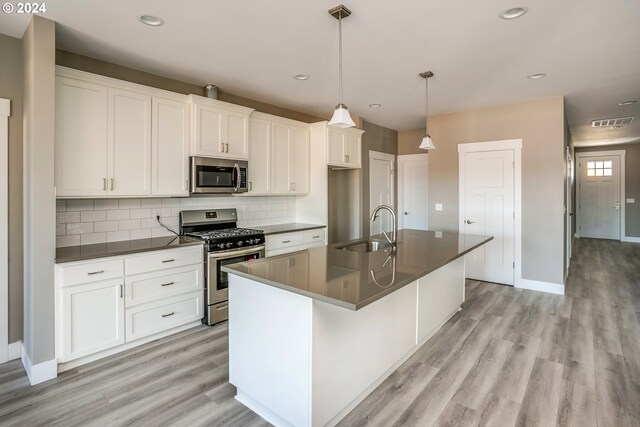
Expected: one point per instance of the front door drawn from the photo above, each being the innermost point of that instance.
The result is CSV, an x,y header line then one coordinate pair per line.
x,y
599,192
488,208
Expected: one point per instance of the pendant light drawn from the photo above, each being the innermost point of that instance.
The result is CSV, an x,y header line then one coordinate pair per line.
x,y
427,143
341,117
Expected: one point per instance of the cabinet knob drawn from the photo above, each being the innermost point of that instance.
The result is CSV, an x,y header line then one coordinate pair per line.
x,y
469,222
406,213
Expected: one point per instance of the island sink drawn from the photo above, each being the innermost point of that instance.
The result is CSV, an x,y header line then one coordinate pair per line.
x,y
367,246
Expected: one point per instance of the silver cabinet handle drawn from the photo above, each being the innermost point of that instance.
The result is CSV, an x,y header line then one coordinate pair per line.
x,y
250,186
168,314
164,261
347,157
227,144
293,186
167,284
91,273
111,183
286,241
315,237
222,307
104,184
469,222
121,291
222,147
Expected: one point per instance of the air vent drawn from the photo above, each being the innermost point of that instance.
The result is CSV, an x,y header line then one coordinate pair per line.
x,y
621,121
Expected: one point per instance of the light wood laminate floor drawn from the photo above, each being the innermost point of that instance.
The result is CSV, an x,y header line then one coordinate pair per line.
x,y
510,357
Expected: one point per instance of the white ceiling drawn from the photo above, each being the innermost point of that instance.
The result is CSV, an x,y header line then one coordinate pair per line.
x,y
588,48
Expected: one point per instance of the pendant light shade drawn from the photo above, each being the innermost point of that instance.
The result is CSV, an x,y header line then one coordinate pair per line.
x,y
341,117
426,143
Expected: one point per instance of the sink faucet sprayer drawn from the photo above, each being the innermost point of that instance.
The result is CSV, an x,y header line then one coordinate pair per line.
x,y
374,215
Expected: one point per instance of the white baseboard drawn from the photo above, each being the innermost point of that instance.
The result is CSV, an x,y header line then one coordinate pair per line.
x,y
535,285
14,351
40,372
631,239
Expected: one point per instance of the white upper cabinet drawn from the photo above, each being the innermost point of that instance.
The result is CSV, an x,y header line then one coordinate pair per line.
x,y
344,147
129,143
289,159
81,145
300,165
219,129
116,138
170,147
259,155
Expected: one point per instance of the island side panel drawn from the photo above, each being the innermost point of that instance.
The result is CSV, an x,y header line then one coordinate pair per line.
x,y
270,351
354,351
440,295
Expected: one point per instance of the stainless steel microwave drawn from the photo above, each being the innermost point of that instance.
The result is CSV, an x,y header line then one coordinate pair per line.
x,y
217,176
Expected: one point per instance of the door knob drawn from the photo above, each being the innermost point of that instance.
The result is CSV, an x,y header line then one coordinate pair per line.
x,y
469,222
406,213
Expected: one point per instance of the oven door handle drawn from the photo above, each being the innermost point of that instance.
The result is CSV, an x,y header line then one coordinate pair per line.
x,y
234,253
236,169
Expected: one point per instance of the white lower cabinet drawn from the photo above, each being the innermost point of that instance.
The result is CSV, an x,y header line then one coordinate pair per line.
x,y
278,244
93,318
102,304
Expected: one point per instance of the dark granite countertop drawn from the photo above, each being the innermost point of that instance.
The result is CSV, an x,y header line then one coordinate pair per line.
x,y
288,228
319,272
103,250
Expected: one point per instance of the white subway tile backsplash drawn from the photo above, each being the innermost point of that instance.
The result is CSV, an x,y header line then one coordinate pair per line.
x,y
93,238
129,224
93,216
86,221
105,204
104,226
118,236
80,228
67,217
79,205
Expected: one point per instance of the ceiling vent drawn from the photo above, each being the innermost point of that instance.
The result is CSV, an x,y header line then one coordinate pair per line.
x,y
621,121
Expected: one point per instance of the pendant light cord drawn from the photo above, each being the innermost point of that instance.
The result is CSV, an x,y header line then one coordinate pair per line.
x,y
426,108
340,50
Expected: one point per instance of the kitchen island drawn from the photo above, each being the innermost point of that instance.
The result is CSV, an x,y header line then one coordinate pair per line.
x,y
312,333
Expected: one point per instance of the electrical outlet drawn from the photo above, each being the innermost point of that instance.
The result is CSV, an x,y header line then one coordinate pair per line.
x,y
438,206
631,200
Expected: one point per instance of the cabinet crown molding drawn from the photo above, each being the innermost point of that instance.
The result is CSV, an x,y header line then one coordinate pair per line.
x,y
202,100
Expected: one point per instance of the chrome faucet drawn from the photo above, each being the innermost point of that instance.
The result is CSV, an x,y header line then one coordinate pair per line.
x,y
392,241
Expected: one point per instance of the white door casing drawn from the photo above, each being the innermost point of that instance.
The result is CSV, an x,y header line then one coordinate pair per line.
x,y
489,194
413,191
5,105
568,209
601,194
381,189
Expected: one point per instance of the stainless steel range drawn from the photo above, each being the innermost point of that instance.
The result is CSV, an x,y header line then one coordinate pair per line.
x,y
224,244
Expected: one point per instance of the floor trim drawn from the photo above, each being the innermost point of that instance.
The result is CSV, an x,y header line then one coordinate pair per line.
x,y
631,239
535,285
39,372
14,351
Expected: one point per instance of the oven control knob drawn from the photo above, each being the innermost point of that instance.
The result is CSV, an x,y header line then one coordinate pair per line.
x,y
240,243
221,245
229,244
250,241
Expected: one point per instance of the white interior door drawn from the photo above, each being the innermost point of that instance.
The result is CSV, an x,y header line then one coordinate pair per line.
x,y
412,191
600,197
4,244
381,189
487,207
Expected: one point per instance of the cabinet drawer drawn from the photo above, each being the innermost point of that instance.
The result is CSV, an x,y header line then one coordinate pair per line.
x,y
91,272
147,287
163,259
286,250
280,241
158,316
314,236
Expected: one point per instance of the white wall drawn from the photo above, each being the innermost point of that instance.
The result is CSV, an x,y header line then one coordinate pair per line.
x,y
87,221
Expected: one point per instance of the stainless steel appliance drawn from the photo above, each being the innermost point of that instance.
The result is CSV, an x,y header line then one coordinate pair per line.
x,y
217,176
224,244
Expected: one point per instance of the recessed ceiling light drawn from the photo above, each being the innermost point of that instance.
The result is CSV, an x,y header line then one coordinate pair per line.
x,y
627,102
301,77
375,105
154,21
513,12
536,76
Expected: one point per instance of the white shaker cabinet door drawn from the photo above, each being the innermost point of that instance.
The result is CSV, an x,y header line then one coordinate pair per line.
x,y
170,148
259,156
81,147
130,142
335,146
299,165
93,318
352,149
207,131
237,135
282,180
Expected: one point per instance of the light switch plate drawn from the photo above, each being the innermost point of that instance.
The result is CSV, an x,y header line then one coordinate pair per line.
x,y
631,200
438,206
